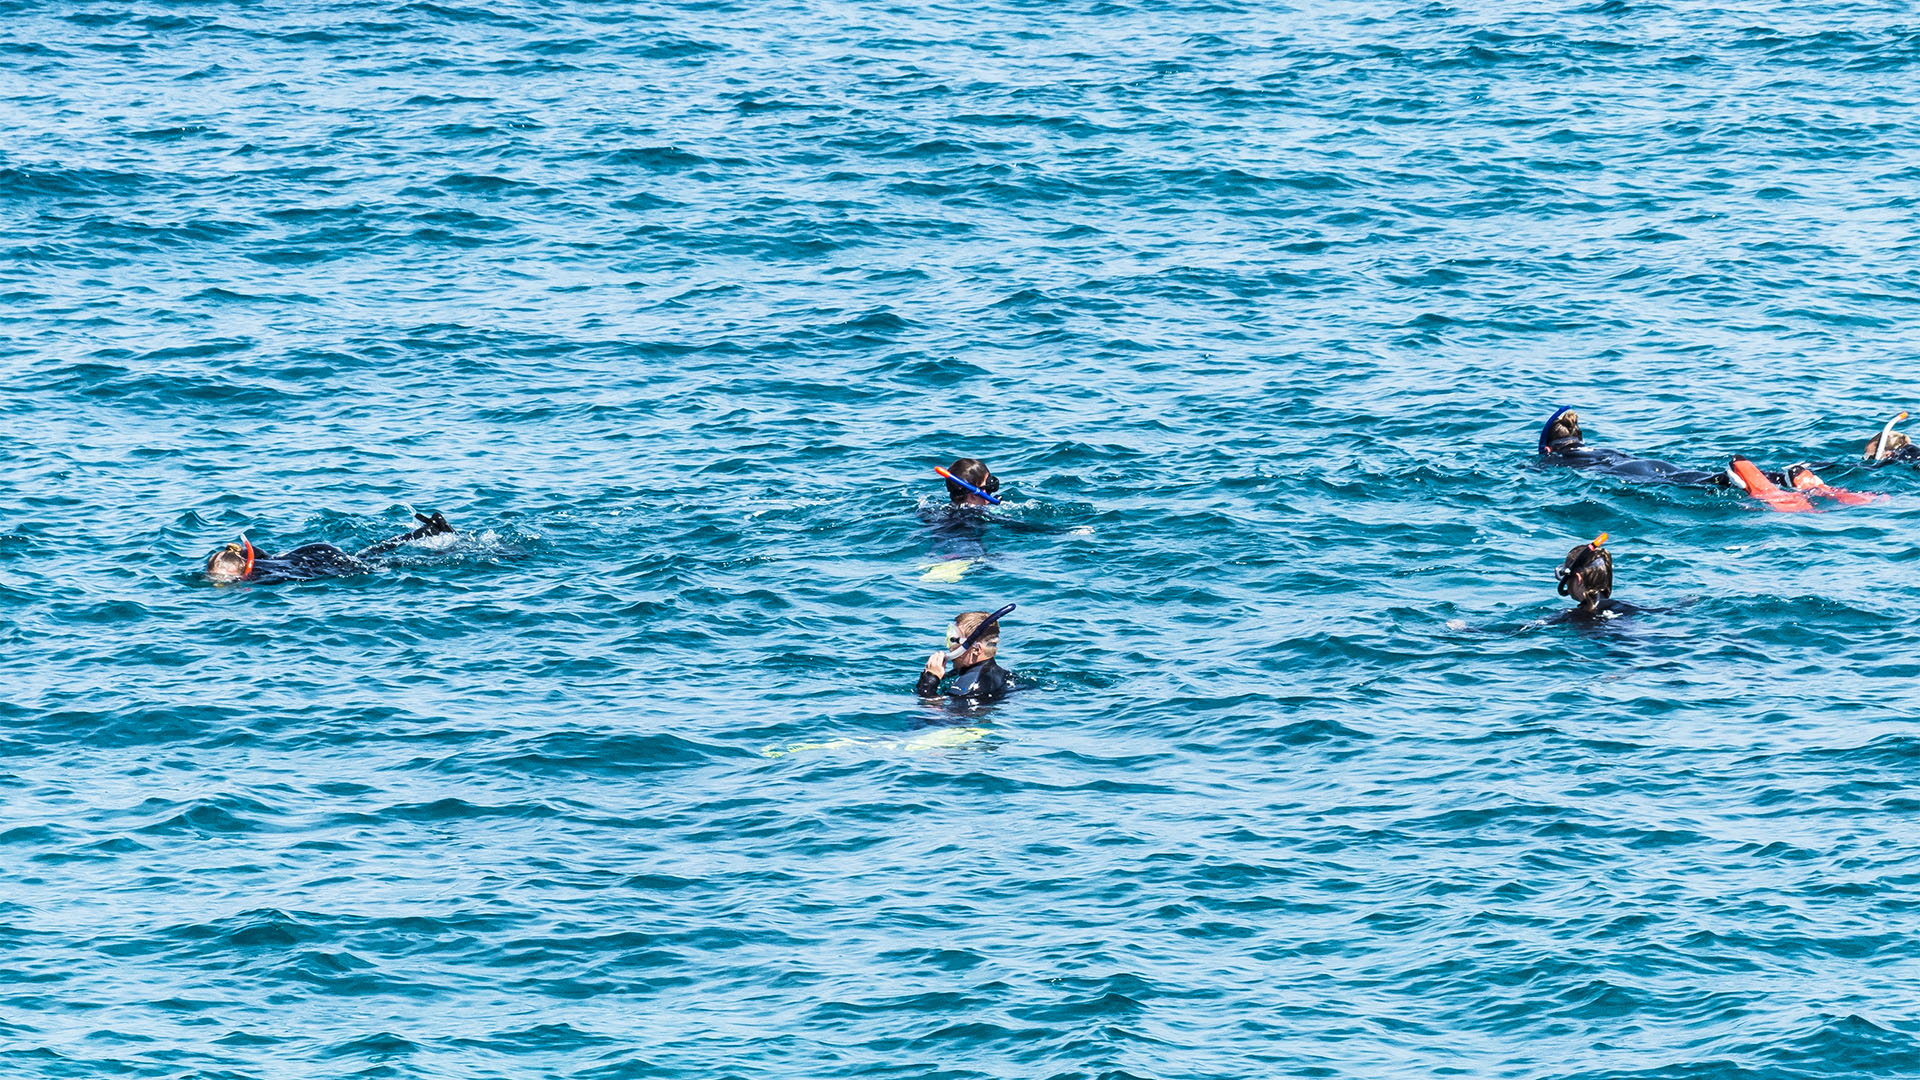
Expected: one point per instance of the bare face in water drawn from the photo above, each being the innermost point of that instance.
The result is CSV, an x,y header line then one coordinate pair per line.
x,y
230,563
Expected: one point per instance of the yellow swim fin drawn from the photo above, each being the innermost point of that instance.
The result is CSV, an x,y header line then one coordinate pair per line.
x,y
946,573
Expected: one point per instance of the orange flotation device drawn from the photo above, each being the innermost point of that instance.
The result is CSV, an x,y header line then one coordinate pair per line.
x,y
1803,479
1748,478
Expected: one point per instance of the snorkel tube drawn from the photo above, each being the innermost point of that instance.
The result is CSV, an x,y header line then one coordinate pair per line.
x,y
1548,426
952,479
1880,451
1573,578
248,572
955,652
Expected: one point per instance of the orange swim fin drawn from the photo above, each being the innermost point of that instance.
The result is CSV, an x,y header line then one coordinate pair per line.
x,y
1803,479
1747,477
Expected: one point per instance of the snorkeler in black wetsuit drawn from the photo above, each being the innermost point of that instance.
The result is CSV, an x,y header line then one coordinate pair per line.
x,y
972,642
241,561
1561,444
1587,576
970,502
1891,445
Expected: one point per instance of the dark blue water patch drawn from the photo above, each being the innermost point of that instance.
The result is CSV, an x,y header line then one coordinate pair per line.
x,y
27,182
228,815
456,14
585,753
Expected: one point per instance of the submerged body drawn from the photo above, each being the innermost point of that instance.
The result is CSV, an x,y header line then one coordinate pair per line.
x,y
983,682
1629,467
1600,611
241,561
306,562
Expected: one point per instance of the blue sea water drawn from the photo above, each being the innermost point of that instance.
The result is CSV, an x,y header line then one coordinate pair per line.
x,y
673,307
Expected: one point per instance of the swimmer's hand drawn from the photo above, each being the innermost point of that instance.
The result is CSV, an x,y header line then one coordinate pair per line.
x,y
937,665
432,526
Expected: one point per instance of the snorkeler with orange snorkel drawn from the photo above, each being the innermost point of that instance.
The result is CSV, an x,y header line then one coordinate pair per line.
x,y
241,561
1891,446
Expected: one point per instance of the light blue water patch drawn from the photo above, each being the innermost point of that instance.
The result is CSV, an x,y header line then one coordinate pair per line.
x,y
672,311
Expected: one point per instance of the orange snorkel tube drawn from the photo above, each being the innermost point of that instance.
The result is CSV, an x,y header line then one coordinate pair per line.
x,y
248,572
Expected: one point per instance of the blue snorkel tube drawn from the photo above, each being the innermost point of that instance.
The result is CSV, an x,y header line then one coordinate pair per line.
x,y
1548,426
955,652
952,479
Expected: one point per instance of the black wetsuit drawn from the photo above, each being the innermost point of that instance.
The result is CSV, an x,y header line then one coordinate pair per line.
x,y
1607,607
957,523
1627,467
1560,443
1908,454
984,681
309,561
306,562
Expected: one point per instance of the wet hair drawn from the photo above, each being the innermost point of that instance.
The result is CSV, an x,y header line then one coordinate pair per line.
x,y
1896,441
232,554
1561,433
1587,572
964,624
973,471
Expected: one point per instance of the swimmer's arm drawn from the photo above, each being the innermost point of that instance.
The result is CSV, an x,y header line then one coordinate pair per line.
x,y
383,546
930,676
429,526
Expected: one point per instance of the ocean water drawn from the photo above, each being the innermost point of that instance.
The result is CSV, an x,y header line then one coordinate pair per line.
x,y
673,307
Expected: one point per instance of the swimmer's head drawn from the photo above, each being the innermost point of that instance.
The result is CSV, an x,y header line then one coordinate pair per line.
x,y
1587,574
1561,433
964,625
1888,442
974,472
233,562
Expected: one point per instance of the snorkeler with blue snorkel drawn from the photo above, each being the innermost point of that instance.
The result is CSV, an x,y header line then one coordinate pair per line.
x,y
970,483
1561,443
973,639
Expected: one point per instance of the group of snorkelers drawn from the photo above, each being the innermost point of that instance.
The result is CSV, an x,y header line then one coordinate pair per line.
x,y
967,666
1586,575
